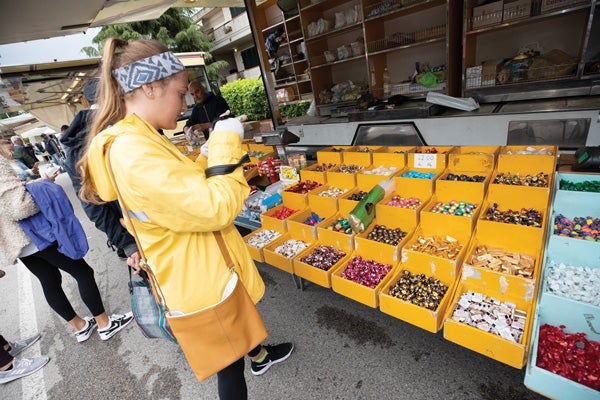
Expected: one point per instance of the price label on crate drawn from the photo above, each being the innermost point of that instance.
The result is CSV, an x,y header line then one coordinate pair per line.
x,y
424,160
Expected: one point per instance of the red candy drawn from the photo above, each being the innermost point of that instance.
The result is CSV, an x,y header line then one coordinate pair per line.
x,y
283,213
303,187
365,272
569,355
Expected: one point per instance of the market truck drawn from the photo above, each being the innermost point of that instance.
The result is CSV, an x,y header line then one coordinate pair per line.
x,y
53,92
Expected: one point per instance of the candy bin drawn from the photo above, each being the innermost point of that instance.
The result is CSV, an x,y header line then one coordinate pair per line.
x,y
429,158
256,242
385,236
276,218
316,263
362,277
332,154
414,295
375,173
344,175
304,223
336,231
281,252
405,202
360,155
324,199
581,183
295,196
473,158
316,172
417,180
392,155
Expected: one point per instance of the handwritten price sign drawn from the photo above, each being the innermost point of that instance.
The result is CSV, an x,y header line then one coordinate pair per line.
x,y
424,160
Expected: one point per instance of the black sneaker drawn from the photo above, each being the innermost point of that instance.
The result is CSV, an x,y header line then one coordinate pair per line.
x,y
117,322
277,353
85,332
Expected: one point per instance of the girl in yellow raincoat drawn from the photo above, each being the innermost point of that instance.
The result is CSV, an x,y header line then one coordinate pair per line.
x,y
174,207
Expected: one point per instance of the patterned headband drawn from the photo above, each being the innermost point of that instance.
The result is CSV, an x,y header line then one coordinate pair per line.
x,y
147,70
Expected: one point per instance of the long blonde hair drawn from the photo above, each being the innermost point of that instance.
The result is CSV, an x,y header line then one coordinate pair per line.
x,y
110,99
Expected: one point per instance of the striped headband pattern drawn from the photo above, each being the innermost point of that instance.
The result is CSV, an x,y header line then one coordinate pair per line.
x,y
147,70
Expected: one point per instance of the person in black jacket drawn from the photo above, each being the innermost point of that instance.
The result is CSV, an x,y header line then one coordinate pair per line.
x,y
107,217
208,107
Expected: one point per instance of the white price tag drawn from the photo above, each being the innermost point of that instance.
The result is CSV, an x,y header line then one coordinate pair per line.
x,y
425,160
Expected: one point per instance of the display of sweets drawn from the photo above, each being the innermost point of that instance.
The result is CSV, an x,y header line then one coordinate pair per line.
x,y
270,168
538,180
256,201
459,208
262,238
500,260
382,234
491,315
248,167
427,150
323,257
313,219
291,247
445,247
303,187
465,178
333,192
324,167
363,150
283,213
366,272
587,228
525,216
418,174
349,169
341,225
419,289
399,201
381,170
570,355
585,186
358,196
574,282
531,151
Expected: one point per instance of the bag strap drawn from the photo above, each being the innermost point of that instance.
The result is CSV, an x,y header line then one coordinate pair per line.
x,y
224,251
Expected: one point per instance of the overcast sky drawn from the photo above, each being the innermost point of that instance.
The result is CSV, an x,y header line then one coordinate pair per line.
x,y
47,50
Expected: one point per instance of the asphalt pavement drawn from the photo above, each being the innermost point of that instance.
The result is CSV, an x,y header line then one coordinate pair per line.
x,y
343,349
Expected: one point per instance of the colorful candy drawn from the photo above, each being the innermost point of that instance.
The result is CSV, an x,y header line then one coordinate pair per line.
x,y
458,208
365,272
579,228
323,257
398,201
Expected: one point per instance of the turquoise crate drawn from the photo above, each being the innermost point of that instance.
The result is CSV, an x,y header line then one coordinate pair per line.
x,y
577,317
576,178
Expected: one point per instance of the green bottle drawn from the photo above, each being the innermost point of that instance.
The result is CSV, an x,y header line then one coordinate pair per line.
x,y
363,214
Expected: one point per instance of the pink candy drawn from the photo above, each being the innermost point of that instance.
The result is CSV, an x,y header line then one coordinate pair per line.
x,y
365,272
411,202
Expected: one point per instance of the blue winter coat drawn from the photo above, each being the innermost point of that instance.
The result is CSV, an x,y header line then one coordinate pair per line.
x,y
56,221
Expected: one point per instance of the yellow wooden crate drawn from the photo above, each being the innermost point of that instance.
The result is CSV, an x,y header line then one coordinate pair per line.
x,y
332,154
444,268
473,158
516,200
262,157
356,291
314,274
445,188
297,227
527,163
277,260
500,282
469,195
257,253
485,343
364,180
311,174
392,156
339,240
270,222
407,217
424,318
383,250
416,185
357,155
340,179
323,204
263,148
420,159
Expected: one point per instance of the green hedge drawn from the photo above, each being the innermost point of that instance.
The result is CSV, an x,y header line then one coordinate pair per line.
x,y
294,110
247,96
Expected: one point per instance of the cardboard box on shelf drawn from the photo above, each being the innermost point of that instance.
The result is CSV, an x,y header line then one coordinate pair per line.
x,y
488,14
516,9
489,71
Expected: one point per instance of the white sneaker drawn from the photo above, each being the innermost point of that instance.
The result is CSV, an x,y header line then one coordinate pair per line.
x,y
19,345
22,367
117,322
85,333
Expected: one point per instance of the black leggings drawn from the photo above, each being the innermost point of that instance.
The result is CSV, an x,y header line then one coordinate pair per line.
x,y
231,381
46,265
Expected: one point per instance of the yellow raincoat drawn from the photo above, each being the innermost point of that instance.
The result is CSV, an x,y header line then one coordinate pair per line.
x,y
177,208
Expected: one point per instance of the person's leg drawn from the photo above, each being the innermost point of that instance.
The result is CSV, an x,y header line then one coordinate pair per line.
x,y
231,382
5,357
